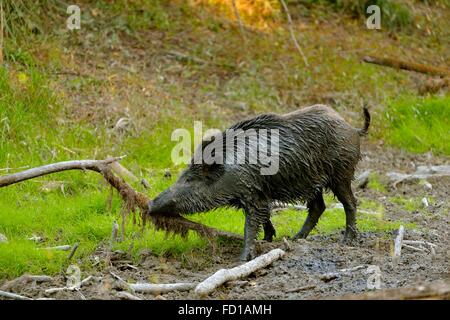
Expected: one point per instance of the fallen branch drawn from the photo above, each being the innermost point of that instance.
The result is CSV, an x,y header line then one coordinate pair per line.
x,y
24,279
14,296
157,288
422,172
55,167
405,65
419,242
413,248
72,252
133,201
436,290
224,275
66,247
122,172
431,246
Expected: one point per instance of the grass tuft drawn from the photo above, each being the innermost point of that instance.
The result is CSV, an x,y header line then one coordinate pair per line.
x,y
419,124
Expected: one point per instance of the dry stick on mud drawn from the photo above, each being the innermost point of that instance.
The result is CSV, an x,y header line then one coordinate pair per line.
x,y
291,30
160,288
13,296
406,65
133,200
439,289
224,275
24,279
422,172
398,243
127,296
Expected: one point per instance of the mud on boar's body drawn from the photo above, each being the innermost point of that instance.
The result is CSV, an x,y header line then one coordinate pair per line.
x,y
317,151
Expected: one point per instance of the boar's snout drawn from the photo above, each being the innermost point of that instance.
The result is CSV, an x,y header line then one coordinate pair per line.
x,y
163,204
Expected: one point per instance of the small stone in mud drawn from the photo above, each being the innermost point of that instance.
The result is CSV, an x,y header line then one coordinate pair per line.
x,y
428,186
327,277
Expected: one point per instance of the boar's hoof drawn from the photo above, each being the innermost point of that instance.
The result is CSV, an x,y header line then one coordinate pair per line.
x,y
247,255
349,237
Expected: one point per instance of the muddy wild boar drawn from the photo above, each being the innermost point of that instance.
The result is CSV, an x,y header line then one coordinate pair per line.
x,y
311,150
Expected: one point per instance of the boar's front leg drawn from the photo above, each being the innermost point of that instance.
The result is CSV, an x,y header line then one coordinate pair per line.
x,y
253,220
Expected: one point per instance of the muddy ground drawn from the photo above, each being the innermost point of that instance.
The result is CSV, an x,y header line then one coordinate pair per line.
x,y
300,274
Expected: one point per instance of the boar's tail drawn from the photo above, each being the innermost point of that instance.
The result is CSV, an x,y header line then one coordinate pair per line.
x,y
365,129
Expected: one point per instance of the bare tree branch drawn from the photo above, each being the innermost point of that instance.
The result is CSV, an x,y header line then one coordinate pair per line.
x,y
133,201
291,30
406,65
94,165
238,18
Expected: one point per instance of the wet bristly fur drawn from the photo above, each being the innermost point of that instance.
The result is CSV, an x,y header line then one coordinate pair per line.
x,y
318,150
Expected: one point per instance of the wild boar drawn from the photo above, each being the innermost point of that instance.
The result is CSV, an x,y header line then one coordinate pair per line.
x,y
314,148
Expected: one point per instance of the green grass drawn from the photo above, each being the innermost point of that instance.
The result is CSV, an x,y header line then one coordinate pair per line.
x,y
411,204
376,184
419,124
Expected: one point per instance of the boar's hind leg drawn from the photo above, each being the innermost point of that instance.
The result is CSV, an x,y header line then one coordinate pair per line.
x,y
315,209
344,193
269,231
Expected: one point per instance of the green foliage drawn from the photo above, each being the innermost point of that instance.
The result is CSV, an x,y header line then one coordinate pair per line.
x,y
419,124
24,16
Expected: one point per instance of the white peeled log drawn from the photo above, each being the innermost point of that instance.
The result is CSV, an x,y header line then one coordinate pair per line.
x,y
398,242
159,288
224,275
422,172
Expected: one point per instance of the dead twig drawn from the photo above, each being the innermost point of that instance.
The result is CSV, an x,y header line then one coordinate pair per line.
x,y
224,275
54,167
72,252
159,288
62,248
13,296
291,30
24,279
